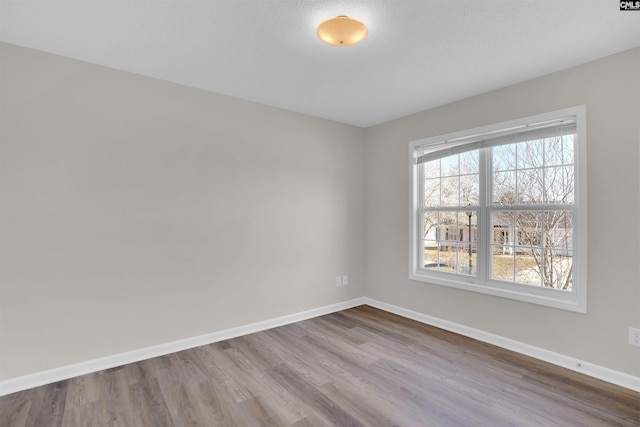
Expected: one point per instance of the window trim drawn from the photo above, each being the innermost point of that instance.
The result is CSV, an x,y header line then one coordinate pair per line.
x,y
574,300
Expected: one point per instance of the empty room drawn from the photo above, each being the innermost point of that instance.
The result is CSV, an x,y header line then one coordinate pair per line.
x,y
314,213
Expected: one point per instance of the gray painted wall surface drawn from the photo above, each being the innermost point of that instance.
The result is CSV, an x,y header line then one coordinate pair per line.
x,y
611,91
137,212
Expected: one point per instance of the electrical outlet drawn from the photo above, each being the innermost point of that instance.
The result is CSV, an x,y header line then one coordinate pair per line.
x,y
345,280
634,336
338,281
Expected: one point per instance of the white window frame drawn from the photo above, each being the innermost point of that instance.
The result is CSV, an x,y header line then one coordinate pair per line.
x,y
574,300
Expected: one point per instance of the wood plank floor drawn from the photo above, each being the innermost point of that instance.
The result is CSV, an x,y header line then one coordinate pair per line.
x,y
358,367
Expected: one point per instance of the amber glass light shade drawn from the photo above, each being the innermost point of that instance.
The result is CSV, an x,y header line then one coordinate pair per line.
x,y
342,31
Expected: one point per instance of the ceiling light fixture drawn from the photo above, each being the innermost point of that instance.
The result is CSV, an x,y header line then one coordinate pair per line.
x,y
342,31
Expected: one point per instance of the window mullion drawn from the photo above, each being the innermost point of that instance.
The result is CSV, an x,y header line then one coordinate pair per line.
x,y
483,244
420,212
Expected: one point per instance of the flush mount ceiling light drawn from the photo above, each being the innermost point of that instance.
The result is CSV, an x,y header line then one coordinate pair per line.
x,y
342,31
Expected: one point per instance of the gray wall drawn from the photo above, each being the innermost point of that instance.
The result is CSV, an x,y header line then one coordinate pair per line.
x,y
611,91
137,212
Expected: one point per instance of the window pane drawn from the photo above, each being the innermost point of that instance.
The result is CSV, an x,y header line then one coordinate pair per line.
x,y
447,225
468,223
529,228
530,186
442,258
553,151
504,157
559,184
504,188
430,225
529,154
568,144
527,266
502,263
469,190
446,242
469,162
449,254
559,150
502,223
449,165
557,269
467,260
450,188
558,229
432,169
432,192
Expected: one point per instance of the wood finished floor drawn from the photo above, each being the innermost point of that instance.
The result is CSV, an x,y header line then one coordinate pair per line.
x,y
358,367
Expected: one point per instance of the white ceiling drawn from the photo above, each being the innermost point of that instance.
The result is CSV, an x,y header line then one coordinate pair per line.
x,y
419,53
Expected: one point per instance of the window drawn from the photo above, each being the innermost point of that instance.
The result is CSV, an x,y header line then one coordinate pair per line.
x,y
502,209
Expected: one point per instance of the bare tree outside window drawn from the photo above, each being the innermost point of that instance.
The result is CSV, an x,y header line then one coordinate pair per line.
x,y
538,246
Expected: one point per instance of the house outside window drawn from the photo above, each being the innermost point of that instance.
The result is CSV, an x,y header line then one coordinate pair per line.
x,y
502,209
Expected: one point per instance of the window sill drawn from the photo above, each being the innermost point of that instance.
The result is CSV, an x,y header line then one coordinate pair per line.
x,y
570,301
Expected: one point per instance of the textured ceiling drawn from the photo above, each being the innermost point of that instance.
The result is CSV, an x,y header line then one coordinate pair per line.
x,y
419,53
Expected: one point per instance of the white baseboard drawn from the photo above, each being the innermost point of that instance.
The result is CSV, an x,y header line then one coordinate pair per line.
x,y
591,369
70,371
65,372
